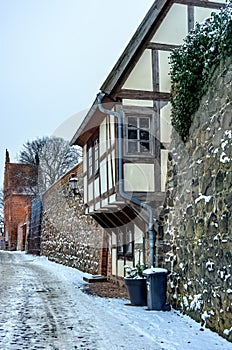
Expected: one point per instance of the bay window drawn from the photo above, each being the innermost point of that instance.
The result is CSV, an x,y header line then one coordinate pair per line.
x,y
138,134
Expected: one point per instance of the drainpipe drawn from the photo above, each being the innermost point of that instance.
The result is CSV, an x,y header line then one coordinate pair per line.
x,y
123,194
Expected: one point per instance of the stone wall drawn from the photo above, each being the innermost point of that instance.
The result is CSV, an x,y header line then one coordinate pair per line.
x,y
196,222
34,232
68,236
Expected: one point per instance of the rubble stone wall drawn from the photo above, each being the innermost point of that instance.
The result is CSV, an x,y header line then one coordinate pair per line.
x,y
196,223
68,236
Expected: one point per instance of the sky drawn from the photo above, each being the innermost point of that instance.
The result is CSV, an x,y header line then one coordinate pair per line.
x,y
55,55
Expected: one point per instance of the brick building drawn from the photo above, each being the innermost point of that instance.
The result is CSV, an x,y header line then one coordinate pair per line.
x,y
19,180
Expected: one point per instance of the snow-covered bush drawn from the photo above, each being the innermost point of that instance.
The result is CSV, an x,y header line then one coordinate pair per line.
x,y
191,65
137,271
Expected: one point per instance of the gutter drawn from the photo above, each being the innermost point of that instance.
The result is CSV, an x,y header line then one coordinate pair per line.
x,y
123,194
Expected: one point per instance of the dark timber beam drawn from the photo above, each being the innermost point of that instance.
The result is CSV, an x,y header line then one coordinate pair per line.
x,y
201,3
143,95
190,18
162,47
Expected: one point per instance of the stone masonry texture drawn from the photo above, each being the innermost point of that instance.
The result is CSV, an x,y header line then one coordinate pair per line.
x,y
195,235
68,235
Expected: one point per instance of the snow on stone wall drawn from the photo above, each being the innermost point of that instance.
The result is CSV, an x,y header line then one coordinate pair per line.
x,y
196,222
68,236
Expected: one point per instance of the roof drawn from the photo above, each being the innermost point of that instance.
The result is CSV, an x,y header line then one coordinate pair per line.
x,y
144,33
129,58
89,124
157,11
146,29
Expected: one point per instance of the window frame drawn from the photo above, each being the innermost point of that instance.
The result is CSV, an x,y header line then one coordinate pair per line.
x,y
125,247
93,156
138,129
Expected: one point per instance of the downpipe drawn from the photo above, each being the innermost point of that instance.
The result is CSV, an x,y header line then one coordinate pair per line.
x,y
123,194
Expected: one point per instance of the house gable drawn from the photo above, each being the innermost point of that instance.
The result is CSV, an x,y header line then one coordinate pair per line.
x,y
137,89
164,27
142,71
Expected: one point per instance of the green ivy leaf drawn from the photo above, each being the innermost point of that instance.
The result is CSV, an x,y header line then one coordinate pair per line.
x,y
191,66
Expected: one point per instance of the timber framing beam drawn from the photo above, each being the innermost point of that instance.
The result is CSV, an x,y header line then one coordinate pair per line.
x,y
201,3
143,95
162,47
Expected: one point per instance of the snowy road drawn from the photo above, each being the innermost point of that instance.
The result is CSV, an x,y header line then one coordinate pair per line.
x,y
40,310
43,307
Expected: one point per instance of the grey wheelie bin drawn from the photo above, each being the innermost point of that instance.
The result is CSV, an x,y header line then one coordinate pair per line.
x,y
156,281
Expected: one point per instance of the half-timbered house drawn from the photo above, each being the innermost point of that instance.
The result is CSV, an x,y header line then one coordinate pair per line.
x,y
126,133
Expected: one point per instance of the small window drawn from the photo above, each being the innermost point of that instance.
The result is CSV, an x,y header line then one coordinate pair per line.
x,y
90,161
96,156
129,242
120,243
93,156
125,241
138,135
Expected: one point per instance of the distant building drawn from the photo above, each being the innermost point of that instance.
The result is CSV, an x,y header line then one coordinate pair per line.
x,y
19,180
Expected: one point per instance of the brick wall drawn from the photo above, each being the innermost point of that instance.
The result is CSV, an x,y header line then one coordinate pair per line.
x,y
18,179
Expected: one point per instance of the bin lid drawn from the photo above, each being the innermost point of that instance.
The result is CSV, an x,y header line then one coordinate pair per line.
x,y
154,270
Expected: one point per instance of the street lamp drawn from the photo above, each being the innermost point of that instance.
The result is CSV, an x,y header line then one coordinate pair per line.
x,y
73,184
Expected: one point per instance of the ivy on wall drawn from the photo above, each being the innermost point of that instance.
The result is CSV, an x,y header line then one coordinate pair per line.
x,y
192,65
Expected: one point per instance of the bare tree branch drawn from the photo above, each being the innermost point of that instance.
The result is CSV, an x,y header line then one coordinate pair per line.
x,y
52,156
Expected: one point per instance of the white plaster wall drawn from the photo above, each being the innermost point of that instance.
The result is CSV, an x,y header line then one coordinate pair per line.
x,y
139,177
164,158
103,176
165,123
102,138
174,27
121,268
137,103
141,76
201,13
84,158
114,261
164,68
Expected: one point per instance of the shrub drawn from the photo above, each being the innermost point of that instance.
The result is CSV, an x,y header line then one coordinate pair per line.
x,y
192,63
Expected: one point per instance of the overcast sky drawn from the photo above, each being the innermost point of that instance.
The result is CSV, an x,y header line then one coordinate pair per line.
x,y
55,55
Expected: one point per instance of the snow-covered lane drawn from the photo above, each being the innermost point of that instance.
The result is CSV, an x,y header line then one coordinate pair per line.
x,y
43,307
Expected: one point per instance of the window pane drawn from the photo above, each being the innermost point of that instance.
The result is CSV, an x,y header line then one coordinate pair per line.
x,y
132,122
144,135
129,240
144,123
120,242
138,134
120,249
132,134
132,147
96,150
144,147
90,161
